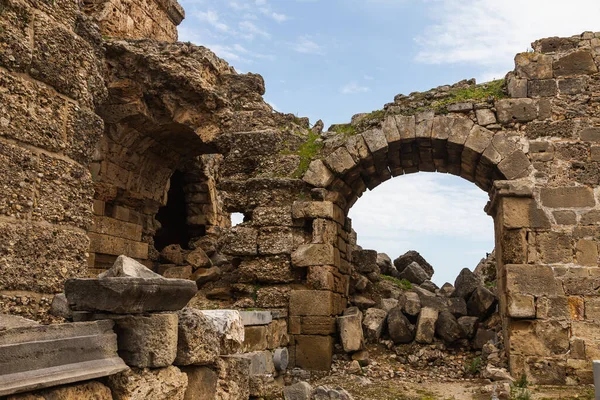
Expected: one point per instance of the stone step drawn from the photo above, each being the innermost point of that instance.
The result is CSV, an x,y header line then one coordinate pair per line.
x,y
37,357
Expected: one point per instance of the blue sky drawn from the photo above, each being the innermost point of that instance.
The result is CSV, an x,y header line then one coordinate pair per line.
x,y
330,59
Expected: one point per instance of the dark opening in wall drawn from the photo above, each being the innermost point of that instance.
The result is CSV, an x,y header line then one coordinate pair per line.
x,y
173,217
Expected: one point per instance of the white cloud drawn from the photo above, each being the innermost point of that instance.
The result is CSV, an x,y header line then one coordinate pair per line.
x,y
490,32
306,45
212,18
353,88
368,78
250,31
279,17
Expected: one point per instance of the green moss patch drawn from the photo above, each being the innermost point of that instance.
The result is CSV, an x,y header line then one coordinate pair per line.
x,y
401,283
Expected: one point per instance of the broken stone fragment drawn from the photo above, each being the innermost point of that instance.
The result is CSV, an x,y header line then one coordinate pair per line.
x,y
350,329
230,329
8,321
481,303
173,254
60,307
468,325
373,324
129,295
412,306
298,391
399,327
204,275
126,267
414,273
426,325
198,259
466,282
384,262
447,328
281,359
413,256
198,340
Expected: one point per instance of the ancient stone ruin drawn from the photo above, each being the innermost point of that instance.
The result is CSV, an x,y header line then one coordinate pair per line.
x,y
117,140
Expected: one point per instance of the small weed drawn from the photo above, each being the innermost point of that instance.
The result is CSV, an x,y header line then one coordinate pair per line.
x,y
520,393
490,284
401,283
474,367
493,89
377,115
345,129
307,151
522,382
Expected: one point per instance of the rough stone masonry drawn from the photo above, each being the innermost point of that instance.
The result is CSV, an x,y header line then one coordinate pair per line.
x,y
102,136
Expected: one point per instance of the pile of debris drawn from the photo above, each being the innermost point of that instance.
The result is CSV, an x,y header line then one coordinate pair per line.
x,y
398,305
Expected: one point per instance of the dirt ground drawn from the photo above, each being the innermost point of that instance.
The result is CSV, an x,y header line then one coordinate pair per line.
x,y
387,379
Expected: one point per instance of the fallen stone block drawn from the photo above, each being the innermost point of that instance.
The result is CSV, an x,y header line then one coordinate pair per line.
x,y
447,327
122,295
413,256
373,323
466,283
60,307
233,378
350,329
36,357
414,274
297,391
426,325
261,362
399,327
127,267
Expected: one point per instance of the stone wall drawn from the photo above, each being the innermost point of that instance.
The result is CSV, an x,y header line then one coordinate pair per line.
x,y
51,79
139,19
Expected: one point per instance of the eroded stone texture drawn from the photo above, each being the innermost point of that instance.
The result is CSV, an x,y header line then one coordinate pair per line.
x,y
151,384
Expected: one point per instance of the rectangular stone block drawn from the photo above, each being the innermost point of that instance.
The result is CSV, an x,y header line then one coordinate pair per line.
x,y
255,338
538,337
315,254
319,325
312,302
314,352
115,227
275,240
536,280
518,212
112,245
254,318
313,209
568,197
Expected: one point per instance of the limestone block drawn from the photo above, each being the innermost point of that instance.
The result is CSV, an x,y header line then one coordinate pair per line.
x,y
414,274
8,321
412,306
252,318
517,88
533,66
481,303
314,352
365,261
426,325
536,280
376,141
266,387
468,325
149,384
485,116
315,254
318,174
240,241
518,212
447,327
272,216
114,227
567,197
277,334
373,323
198,341
587,253
313,209
564,217
317,325
576,63
275,240
573,85
311,302
399,327
538,337
515,165
124,295
554,247
275,269
516,110
230,329
204,275
255,338
178,272
234,378
350,329
298,391
340,161
198,259
202,383
521,305
466,282
261,362
106,244
40,356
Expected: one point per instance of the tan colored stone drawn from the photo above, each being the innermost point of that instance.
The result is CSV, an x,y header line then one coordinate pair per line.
x,y
149,384
318,174
202,383
521,305
315,254
533,65
312,302
520,212
536,280
314,352
553,308
541,338
255,338
567,197
587,253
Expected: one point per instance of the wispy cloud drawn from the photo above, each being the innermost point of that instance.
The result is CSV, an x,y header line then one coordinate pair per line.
x,y
212,18
305,45
353,88
490,32
249,31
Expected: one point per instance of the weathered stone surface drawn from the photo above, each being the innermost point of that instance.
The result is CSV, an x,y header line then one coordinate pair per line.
x,y
204,275
234,378
261,362
373,323
567,197
311,302
466,282
60,307
198,259
92,390
127,267
516,110
202,383
365,261
448,328
413,256
412,306
172,254
123,295
483,336
36,357
387,304
314,254
384,262
481,303
399,327
255,338
251,318
281,359
350,330
413,273
536,280
230,329
468,325
318,174
426,325
447,289
576,63
298,391
520,305
198,340
457,306
8,321
147,341
150,384
314,352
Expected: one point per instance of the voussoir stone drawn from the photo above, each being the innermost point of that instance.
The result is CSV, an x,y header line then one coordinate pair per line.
x,y
198,340
129,295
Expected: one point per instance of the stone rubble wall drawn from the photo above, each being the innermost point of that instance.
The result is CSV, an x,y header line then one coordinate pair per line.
x,y
51,79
